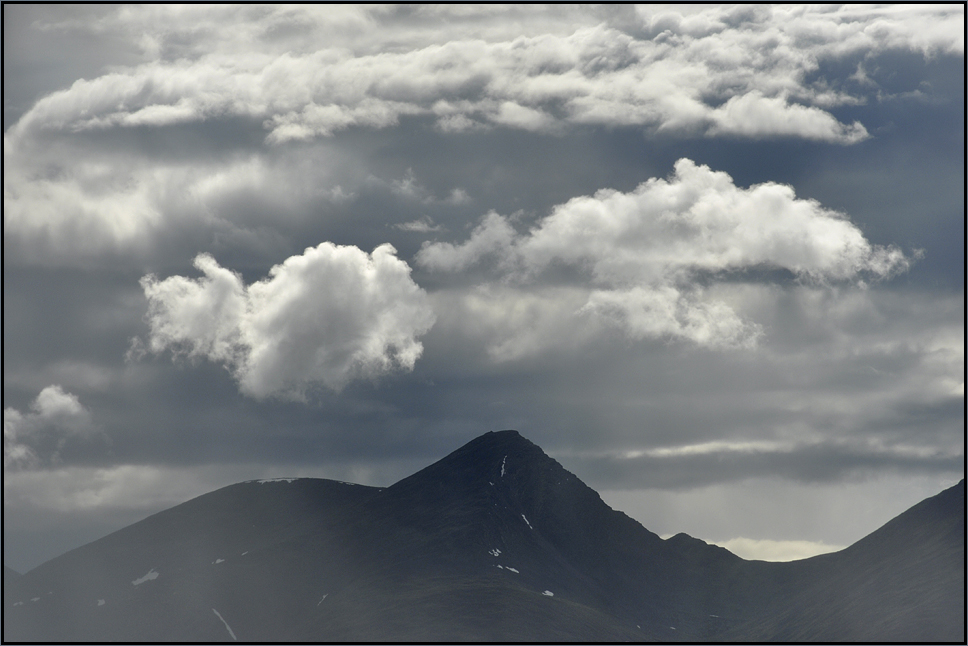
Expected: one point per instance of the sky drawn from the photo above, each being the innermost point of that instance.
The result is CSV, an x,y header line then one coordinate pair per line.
x,y
709,258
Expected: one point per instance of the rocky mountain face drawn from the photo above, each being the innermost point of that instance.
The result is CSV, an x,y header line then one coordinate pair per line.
x,y
495,542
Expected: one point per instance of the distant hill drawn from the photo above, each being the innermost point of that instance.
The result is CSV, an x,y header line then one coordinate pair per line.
x,y
495,542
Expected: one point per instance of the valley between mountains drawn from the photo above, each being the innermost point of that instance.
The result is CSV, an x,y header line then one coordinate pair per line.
x,y
495,542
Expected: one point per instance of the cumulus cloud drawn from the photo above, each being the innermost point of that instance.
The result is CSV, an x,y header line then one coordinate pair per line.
x,y
644,251
493,236
328,316
35,438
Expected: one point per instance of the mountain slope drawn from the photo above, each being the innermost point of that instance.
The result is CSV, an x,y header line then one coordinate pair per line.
x,y
247,550
903,582
494,542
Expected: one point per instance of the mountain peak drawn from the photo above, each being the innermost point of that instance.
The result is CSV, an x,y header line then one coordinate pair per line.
x,y
492,458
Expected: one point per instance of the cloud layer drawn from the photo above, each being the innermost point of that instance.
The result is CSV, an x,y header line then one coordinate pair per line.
x,y
328,316
711,72
644,252
722,70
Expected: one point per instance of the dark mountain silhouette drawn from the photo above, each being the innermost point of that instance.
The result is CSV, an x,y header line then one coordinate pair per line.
x,y
495,542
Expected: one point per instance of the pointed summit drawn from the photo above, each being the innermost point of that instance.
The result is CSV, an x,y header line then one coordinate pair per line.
x,y
506,471
488,459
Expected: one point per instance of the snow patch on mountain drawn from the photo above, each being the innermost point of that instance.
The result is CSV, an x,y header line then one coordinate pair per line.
x,y
227,627
100,602
217,561
502,465
148,577
526,520
278,480
494,552
548,593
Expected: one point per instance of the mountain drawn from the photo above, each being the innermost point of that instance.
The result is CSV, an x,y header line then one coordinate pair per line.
x,y
495,542
904,582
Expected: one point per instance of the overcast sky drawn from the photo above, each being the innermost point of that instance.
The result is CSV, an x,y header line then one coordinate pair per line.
x,y
711,259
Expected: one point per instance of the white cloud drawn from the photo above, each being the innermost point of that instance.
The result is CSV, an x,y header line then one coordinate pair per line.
x,y
494,235
68,208
641,252
471,73
420,225
666,312
58,206
35,438
328,316
698,220
754,115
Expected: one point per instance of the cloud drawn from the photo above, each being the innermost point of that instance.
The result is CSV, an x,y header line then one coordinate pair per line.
x,y
66,206
753,115
719,71
691,466
665,70
328,316
36,438
644,254
421,225
494,235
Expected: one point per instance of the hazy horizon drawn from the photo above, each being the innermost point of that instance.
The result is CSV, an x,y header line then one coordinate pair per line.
x,y
709,258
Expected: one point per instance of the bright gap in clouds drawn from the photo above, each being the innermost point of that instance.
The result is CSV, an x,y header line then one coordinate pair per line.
x,y
762,549
773,519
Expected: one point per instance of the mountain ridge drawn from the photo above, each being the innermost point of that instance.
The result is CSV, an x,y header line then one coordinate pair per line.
x,y
494,542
